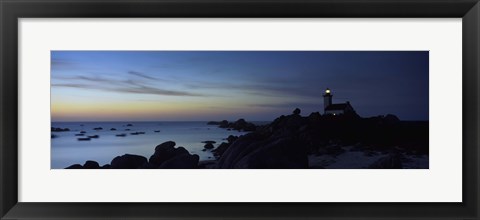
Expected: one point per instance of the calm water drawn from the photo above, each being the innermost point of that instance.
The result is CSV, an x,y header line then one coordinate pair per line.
x,y
67,150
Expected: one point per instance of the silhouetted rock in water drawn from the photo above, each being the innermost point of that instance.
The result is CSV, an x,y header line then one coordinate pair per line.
x,y
239,125
83,132
83,139
223,124
129,125
79,134
97,129
90,164
209,142
53,136
208,146
128,161
106,166
113,129
183,161
121,135
59,129
242,125
166,156
157,131
94,136
128,129
75,166
296,111
217,122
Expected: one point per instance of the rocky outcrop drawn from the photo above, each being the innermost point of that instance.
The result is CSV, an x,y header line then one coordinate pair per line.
x,y
166,156
288,140
54,129
128,161
239,125
89,164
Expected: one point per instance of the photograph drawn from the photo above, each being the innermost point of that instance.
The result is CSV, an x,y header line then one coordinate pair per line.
x,y
239,109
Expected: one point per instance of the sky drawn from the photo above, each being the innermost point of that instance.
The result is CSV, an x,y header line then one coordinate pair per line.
x,y
217,85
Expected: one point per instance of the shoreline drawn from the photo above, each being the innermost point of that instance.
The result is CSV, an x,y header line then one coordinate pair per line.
x,y
295,142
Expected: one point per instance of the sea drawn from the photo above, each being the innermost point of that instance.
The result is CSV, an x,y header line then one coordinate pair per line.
x,y
67,150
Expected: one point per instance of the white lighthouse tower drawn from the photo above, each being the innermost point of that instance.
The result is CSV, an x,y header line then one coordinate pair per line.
x,y
327,99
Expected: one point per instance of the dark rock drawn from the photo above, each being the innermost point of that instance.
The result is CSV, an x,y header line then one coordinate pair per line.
x,y
207,164
128,161
252,151
97,129
218,152
75,166
209,146
223,124
53,136
106,166
129,125
314,117
296,111
90,164
391,119
209,142
113,129
53,129
166,151
231,138
184,161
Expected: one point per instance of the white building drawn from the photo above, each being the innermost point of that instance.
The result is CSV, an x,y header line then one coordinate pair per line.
x,y
335,109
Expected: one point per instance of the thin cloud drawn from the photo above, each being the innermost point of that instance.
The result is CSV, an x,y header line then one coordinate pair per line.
x,y
141,75
123,86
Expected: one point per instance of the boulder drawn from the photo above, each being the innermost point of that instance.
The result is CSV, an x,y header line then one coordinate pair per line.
x,y
208,146
90,164
128,161
75,166
184,161
297,111
251,151
164,152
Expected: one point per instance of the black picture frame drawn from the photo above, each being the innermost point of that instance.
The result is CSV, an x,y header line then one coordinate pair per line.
x,y
12,10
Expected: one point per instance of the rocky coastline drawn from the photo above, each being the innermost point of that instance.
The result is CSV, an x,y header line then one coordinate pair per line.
x,y
296,142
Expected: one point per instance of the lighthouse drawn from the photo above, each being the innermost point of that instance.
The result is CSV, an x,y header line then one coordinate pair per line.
x,y
335,109
327,98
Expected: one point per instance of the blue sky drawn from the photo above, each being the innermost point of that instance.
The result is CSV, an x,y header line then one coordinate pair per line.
x,y
215,85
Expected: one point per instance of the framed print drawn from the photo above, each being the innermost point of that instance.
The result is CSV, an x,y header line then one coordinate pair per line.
x,y
227,109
